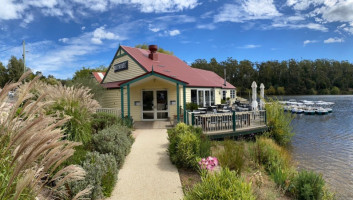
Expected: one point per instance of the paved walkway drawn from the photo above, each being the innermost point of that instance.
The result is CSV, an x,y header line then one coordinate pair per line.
x,y
147,172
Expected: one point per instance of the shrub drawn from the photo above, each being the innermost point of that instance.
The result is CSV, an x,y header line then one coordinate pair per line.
x,y
191,106
279,123
268,153
276,161
205,144
309,185
187,145
232,156
102,120
187,150
221,185
116,140
101,176
127,121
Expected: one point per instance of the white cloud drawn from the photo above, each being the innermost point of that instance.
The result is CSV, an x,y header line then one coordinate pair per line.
x,y
340,12
28,19
159,6
249,46
11,10
64,40
174,32
153,28
63,59
100,34
309,41
206,26
95,5
83,28
247,10
313,26
333,40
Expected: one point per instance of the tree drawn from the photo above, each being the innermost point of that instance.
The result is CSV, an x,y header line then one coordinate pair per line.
x,y
3,75
15,69
87,72
335,90
271,91
281,91
160,49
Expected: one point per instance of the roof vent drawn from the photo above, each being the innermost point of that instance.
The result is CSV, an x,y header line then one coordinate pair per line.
x,y
153,49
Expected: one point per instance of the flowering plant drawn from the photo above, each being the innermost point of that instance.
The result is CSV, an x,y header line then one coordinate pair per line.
x,y
208,163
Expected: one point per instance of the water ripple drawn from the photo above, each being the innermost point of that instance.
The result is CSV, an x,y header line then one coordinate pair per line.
x,y
325,143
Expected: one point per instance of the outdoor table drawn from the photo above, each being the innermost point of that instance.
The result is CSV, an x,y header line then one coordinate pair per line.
x,y
203,110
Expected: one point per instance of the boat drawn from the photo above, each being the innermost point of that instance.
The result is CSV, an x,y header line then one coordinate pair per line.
x,y
321,111
309,111
300,111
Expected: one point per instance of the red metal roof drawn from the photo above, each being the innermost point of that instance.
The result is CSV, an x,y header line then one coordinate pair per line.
x,y
173,67
99,76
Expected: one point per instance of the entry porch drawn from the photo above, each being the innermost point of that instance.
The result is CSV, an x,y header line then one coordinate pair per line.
x,y
153,97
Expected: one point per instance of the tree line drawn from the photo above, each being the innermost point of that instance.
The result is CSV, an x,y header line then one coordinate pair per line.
x,y
290,77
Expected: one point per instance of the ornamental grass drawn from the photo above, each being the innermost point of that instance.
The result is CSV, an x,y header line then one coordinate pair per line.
x,y
32,145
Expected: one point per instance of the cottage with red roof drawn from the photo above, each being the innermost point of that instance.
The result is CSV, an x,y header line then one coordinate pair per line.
x,y
147,85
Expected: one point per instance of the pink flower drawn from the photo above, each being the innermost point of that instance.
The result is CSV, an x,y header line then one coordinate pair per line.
x,y
209,163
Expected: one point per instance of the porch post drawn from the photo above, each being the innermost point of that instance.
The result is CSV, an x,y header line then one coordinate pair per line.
x,y
178,111
234,121
122,101
184,103
128,100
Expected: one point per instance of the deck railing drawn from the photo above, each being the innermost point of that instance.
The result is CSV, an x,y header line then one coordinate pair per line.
x,y
227,122
113,111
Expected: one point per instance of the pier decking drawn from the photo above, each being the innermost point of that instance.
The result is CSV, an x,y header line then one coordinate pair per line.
x,y
221,125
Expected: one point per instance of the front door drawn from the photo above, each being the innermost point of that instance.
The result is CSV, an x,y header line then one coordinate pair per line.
x,y
155,105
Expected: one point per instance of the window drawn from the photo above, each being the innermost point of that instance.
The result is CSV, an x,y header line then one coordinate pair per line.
x,y
203,97
194,96
224,95
232,94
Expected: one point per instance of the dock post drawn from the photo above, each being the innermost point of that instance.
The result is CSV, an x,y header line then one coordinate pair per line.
x,y
234,125
193,119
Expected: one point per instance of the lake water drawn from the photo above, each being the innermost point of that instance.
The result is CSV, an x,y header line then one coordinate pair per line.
x,y
325,143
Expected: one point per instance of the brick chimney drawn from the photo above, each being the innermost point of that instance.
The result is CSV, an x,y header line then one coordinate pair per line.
x,y
153,49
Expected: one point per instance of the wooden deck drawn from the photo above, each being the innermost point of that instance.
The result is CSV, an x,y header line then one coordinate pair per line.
x,y
233,124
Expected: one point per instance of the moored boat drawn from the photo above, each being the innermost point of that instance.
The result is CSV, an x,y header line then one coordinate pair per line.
x,y
321,111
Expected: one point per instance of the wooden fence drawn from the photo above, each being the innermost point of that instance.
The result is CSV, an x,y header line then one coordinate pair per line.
x,y
227,122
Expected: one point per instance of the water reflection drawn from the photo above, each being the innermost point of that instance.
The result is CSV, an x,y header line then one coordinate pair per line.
x,y
325,143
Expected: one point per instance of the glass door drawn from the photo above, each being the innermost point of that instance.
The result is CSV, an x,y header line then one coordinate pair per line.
x,y
147,105
162,104
155,105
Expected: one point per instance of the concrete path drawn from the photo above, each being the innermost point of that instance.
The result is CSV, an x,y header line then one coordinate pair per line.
x,y
148,172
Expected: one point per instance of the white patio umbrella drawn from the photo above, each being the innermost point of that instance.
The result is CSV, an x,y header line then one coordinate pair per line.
x,y
262,96
254,103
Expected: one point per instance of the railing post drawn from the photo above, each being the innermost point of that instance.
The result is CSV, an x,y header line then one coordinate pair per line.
x,y
193,119
234,125
187,117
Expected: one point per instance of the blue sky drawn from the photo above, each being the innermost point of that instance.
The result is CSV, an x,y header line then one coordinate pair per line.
x,y
63,36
